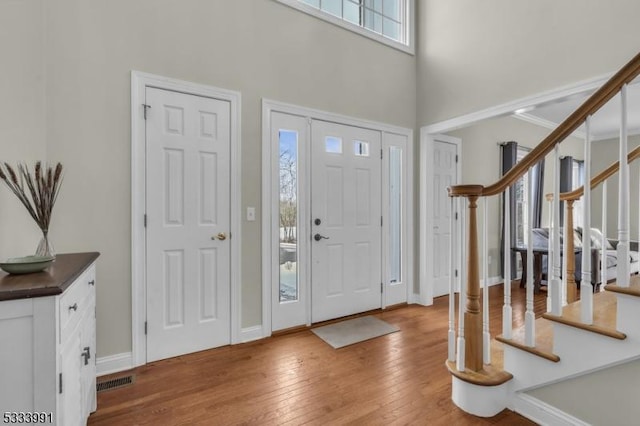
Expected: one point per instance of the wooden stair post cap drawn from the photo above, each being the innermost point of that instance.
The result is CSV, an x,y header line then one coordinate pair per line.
x,y
465,190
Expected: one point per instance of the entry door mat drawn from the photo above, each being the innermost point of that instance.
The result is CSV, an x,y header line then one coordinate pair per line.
x,y
352,331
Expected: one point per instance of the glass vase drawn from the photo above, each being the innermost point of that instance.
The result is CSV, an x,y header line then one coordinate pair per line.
x,y
44,247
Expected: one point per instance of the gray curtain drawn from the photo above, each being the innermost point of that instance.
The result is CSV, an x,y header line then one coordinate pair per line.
x,y
509,157
538,193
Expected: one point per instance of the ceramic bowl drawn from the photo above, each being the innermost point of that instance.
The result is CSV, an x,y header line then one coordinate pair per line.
x,y
26,265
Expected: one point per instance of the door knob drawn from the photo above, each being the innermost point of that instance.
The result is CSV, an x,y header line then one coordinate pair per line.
x,y
319,237
221,236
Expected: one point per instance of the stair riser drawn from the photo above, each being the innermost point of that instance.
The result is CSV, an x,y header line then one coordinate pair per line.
x,y
628,316
579,350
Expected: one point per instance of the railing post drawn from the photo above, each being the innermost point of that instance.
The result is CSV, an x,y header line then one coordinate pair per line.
x,y
569,254
551,258
452,288
603,255
472,316
529,315
486,335
586,286
507,311
555,283
462,294
622,273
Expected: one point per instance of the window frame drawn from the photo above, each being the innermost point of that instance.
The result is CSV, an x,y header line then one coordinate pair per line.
x,y
408,27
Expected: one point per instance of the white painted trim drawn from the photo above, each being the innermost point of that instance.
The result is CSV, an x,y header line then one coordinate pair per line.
x,y
269,106
518,106
409,27
139,82
492,281
543,413
249,334
547,124
426,153
114,363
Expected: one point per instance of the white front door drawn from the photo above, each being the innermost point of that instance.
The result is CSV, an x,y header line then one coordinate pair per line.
x,y
188,222
444,168
346,226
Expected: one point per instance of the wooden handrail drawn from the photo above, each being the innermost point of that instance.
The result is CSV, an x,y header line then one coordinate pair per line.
x,y
626,74
600,177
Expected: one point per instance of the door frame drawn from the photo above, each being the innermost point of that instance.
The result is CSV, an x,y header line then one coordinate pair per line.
x,y
139,83
268,210
426,225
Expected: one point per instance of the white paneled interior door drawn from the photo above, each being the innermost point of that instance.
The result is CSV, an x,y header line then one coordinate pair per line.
x,y
346,228
444,175
188,223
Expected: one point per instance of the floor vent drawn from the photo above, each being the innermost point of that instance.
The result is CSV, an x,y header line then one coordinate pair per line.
x,y
115,383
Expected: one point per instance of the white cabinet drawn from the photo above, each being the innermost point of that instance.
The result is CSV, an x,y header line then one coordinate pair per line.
x,y
47,354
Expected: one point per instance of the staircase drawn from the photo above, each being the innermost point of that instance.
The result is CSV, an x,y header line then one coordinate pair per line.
x,y
575,337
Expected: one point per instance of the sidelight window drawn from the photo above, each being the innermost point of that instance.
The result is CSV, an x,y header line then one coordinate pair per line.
x,y
289,280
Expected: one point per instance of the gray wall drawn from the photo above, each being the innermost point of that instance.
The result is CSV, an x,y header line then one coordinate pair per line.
x,y
481,165
22,114
477,54
604,397
81,107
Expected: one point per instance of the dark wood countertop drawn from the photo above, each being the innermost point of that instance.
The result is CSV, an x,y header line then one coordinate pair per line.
x,y
52,281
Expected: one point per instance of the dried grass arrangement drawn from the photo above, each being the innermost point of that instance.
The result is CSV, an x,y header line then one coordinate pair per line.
x,y
38,191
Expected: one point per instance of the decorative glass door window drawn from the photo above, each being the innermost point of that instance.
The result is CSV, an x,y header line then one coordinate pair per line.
x,y
289,280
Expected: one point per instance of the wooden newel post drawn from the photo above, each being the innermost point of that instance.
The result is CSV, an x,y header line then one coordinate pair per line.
x,y
569,252
473,315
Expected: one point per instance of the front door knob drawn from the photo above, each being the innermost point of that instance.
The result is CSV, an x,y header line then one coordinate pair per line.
x,y
319,237
221,236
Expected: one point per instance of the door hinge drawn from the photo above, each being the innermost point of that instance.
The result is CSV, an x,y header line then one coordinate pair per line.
x,y
380,287
455,273
381,154
456,215
145,220
380,220
146,107
145,328
60,383
456,158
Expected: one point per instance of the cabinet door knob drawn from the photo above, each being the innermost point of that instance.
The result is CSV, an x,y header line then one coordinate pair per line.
x,y
73,307
86,354
92,282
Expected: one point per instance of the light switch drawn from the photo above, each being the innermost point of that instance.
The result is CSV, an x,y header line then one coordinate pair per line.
x,y
251,214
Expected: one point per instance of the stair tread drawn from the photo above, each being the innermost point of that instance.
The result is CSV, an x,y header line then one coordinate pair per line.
x,y
543,343
604,316
488,376
632,290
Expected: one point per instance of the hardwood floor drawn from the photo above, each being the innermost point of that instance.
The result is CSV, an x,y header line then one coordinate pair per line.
x,y
297,379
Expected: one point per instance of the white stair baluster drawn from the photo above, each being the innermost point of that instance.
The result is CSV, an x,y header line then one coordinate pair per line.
x,y
555,285
550,255
462,295
622,273
586,287
603,252
529,316
565,238
507,312
486,335
452,287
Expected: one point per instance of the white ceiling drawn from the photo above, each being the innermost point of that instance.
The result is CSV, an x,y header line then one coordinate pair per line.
x,y
605,124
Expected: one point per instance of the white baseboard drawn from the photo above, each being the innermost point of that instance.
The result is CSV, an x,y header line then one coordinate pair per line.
x,y
250,334
492,281
114,363
543,413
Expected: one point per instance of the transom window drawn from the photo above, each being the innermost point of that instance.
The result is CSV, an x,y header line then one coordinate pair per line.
x,y
384,20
